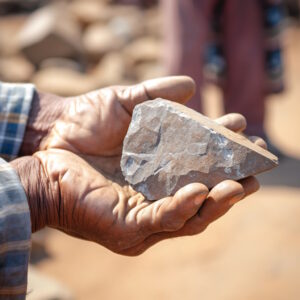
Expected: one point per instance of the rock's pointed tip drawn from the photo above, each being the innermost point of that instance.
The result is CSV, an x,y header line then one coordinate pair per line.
x,y
273,164
273,159
269,162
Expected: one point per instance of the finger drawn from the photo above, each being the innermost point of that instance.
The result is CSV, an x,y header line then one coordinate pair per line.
x,y
235,122
175,88
218,202
171,213
258,141
250,185
220,199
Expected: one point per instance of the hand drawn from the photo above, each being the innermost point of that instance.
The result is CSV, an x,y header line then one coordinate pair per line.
x,y
66,193
96,123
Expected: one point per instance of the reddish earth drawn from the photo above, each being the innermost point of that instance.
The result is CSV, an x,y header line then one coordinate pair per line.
x,y
251,253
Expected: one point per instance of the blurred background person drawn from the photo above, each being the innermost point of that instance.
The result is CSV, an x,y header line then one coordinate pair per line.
x,y
236,44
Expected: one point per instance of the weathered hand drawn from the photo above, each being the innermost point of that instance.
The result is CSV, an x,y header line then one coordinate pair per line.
x,y
75,198
66,193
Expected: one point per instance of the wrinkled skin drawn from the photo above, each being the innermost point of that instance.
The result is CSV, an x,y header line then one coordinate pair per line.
x,y
99,206
87,205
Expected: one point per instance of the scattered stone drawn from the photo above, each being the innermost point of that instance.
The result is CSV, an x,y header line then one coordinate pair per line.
x,y
146,49
148,70
88,12
127,27
154,22
10,27
143,58
50,32
110,70
169,145
98,40
128,11
60,62
64,82
15,69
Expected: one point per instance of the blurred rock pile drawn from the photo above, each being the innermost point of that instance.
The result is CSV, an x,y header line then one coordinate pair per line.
x,y
71,47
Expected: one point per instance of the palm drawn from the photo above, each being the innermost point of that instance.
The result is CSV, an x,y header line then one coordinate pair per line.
x,y
91,125
101,210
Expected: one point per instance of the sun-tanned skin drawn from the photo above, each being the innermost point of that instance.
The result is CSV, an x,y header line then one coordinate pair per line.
x,y
75,183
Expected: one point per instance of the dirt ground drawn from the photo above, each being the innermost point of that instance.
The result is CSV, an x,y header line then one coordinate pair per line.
x,y
251,253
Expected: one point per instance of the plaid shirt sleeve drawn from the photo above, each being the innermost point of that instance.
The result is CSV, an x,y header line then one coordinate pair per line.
x,y
15,103
15,225
15,234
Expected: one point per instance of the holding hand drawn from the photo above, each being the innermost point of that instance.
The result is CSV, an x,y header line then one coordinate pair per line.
x,y
66,193
69,194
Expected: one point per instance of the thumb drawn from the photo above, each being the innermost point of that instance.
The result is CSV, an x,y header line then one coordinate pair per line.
x,y
175,88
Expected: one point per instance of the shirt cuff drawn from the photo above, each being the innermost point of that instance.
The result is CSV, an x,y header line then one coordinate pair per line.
x,y
15,104
15,234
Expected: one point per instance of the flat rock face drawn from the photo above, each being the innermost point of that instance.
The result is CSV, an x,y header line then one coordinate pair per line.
x,y
169,145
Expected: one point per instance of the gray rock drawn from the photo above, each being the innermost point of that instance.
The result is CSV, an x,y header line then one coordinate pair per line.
x,y
169,145
50,32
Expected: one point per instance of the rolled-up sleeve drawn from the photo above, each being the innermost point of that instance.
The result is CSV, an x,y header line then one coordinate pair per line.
x,y
15,234
15,224
15,104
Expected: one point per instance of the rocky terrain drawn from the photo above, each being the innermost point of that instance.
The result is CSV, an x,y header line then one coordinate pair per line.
x,y
71,47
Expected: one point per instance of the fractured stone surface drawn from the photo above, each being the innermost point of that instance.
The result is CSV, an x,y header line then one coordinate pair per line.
x,y
169,145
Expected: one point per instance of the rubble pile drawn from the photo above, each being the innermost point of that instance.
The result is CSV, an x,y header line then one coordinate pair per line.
x,y
71,47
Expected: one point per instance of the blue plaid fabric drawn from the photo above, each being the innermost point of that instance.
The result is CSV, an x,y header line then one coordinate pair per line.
x,y
15,103
15,235
15,225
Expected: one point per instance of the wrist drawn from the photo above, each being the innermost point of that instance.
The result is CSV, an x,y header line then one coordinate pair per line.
x,y
36,187
45,110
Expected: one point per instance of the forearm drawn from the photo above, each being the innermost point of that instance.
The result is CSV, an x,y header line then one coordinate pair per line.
x,y
36,187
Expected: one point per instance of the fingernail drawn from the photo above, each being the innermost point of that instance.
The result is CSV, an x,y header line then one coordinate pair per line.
x,y
236,199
